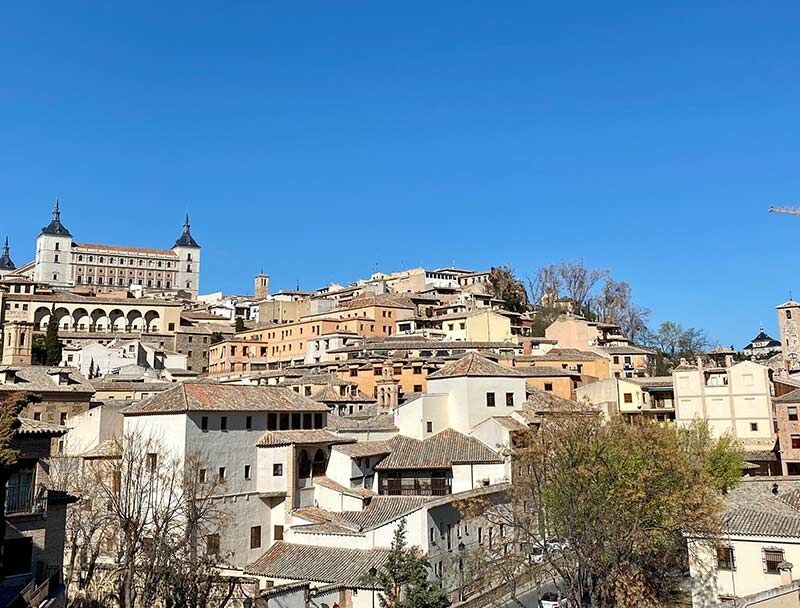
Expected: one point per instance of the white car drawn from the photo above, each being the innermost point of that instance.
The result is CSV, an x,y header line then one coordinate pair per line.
x,y
551,600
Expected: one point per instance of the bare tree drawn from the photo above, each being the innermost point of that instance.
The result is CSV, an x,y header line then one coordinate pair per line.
x,y
579,282
614,304
137,536
546,286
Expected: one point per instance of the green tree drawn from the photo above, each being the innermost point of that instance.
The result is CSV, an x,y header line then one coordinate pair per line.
x,y
621,500
10,408
38,350
239,326
505,286
216,337
51,344
404,578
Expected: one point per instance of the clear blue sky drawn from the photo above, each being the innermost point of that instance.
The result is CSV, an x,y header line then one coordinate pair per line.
x,y
322,140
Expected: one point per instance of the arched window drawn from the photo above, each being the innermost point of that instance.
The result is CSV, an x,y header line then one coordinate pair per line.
x,y
304,467
320,464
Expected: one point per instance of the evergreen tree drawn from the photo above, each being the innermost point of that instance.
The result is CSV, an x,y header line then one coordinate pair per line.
x,y
38,350
51,344
404,578
239,325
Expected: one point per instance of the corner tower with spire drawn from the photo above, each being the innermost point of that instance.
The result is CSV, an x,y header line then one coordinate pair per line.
x,y
6,263
187,250
54,253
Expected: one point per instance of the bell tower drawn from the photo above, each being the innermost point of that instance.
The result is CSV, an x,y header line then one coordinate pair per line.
x,y
54,253
17,338
188,265
261,286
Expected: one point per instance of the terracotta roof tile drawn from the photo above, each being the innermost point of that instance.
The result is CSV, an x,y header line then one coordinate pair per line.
x,y
28,426
209,396
319,564
303,436
439,451
473,364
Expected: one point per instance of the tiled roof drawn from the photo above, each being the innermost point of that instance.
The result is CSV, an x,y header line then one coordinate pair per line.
x,y
628,350
567,354
42,379
28,426
473,365
343,424
303,437
101,384
327,482
416,343
207,396
539,402
541,371
317,379
319,564
109,448
380,511
509,422
330,394
124,249
792,397
362,449
651,382
439,451
754,508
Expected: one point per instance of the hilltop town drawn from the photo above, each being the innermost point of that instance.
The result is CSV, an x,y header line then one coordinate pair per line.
x,y
283,448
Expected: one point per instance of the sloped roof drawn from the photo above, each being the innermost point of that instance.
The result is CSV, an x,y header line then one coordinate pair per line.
x,y
540,401
300,436
208,396
343,424
41,379
362,449
754,508
439,451
791,397
330,394
541,371
29,426
474,365
380,511
346,567
327,482
567,354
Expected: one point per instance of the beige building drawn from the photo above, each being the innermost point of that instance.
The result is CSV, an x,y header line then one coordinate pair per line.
x,y
633,398
482,325
735,399
62,262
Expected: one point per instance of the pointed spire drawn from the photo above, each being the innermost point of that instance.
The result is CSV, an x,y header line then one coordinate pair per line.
x,y
56,227
6,263
186,240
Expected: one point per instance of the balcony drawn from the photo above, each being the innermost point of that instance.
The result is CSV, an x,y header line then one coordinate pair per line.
x,y
26,498
415,486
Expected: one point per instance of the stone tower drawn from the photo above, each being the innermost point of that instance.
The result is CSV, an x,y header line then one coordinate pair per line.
x,y
6,263
53,263
188,253
788,320
262,286
17,337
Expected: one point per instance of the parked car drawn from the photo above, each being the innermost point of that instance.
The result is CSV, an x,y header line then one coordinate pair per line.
x,y
551,600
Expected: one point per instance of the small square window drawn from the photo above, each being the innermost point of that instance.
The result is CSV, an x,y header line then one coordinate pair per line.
x,y
792,411
548,386
277,470
221,474
754,426
510,399
429,426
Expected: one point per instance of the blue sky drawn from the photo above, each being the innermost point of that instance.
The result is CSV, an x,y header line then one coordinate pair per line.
x,y
322,140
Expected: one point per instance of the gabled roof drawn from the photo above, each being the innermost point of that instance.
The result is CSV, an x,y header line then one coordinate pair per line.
x,y
474,365
380,511
540,402
362,449
567,354
193,396
440,451
768,507
343,424
318,564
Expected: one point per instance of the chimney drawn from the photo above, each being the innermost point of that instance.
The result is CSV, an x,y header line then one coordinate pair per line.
x,y
785,568
728,360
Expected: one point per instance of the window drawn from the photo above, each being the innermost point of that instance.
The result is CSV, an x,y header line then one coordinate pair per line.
x,y
152,462
725,559
37,415
63,418
792,410
417,388
247,471
204,423
278,535
277,470
627,397
201,476
223,423
548,386
429,426
510,399
417,369
212,544
616,360
754,427
433,536
788,314
255,537
248,422
22,550
772,557
489,399
796,442
377,371
221,475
